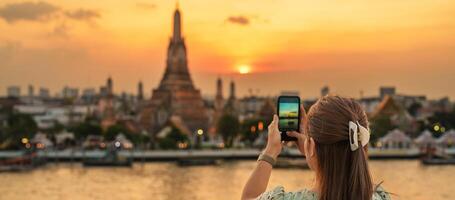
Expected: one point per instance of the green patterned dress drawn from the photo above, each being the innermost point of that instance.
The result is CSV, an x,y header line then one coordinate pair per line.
x,y
278,193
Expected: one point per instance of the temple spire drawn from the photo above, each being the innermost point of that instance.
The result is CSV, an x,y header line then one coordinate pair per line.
x,y
219,88
177,24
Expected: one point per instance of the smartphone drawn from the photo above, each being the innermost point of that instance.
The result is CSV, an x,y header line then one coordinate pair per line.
x,y
289,116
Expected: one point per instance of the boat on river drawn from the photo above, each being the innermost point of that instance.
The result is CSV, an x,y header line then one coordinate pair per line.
x,y
111,158
26,161
437,156
438,161
197,162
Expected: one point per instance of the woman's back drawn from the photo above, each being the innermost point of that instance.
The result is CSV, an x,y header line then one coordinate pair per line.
x,y
278,193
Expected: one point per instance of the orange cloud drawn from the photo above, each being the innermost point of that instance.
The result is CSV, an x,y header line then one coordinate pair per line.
x,y
241,20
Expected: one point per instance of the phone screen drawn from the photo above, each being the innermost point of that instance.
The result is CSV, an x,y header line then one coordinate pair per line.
x,y
288,113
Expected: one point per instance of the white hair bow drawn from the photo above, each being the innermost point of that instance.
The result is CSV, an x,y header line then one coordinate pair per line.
x,y
358,132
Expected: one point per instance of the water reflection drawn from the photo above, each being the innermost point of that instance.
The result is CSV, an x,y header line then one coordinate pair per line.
x,y
163,181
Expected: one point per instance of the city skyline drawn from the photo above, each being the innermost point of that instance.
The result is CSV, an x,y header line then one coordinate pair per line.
x,y
341,45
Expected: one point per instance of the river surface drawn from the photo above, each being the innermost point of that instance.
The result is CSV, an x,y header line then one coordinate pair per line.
x,y
407,179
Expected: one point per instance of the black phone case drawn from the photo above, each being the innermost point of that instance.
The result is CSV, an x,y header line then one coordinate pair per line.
x,y
284,136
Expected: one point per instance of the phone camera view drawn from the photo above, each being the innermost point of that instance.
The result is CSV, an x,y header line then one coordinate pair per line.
x,y
288,114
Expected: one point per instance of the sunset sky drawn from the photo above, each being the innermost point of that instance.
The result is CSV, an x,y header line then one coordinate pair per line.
x,y
350,45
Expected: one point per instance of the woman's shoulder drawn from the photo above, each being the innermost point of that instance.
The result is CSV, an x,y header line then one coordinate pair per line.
x,y
278,193
381,194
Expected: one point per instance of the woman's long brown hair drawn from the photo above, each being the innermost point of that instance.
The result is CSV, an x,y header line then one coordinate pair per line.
x,y
342,174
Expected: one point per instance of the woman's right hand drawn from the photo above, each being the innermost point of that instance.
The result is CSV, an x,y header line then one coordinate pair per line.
x,y
301,135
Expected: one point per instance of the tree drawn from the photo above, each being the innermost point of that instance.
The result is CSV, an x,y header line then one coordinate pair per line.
x,y
135,138
228,126
414,108
380,125
86,128
19,126
114,130
443,118
57,128
172,139
249,130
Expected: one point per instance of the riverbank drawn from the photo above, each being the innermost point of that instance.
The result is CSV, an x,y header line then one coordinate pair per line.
x,y
225,154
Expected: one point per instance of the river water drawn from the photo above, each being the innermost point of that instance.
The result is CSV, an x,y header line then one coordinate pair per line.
x,y
408,179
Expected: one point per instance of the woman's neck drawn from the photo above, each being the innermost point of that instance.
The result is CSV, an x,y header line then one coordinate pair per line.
x,y
316,185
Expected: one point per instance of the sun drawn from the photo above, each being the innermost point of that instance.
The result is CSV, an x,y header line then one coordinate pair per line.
x,y
244,69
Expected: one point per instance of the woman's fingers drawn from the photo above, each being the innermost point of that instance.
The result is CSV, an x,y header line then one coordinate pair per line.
x,y
299,136
300,140
293,134
273,127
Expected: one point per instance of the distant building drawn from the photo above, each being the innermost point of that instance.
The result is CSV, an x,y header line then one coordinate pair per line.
x,y
440,105
408,100
395,139
31,91
325,91
250,106
398,115
290,93
103,91
47,116
69,92
106,106
89,92
370,104
13,91
425,140
447,140
267,110
384,91
44,93
89,95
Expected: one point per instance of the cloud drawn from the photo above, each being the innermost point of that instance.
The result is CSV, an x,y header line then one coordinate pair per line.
x,y
83,14
60,31
240,20
39,11
147,6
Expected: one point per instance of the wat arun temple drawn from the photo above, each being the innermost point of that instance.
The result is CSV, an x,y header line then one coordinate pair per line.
x,y
176,101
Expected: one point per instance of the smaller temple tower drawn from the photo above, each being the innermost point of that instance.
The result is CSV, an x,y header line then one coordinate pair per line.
x,y
140,91
231,104
219,100
218,107
109,85
232,90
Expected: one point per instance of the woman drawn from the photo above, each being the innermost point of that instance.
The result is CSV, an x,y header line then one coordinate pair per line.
x,y
333,137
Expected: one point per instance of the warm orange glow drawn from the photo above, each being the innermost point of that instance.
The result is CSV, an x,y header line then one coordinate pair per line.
x,y
244,69
327,42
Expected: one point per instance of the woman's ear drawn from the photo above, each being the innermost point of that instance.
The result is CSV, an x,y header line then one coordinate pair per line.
x,y
311,147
